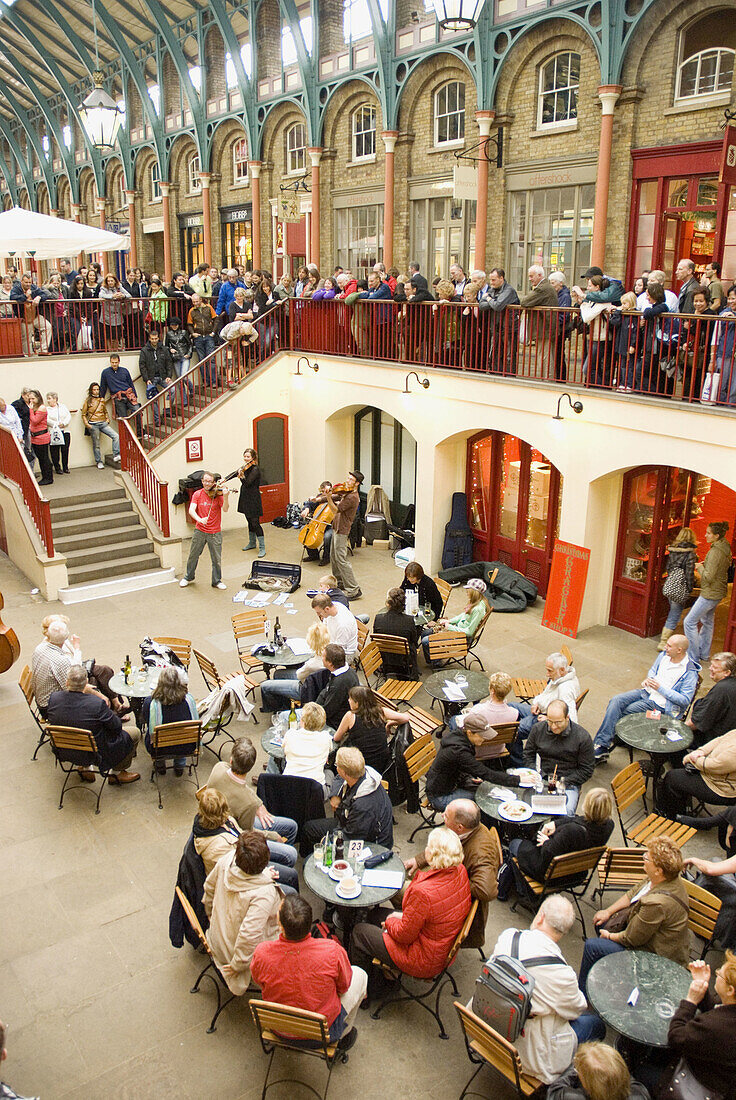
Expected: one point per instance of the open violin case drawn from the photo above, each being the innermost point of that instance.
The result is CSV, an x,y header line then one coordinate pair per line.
x,y
274,576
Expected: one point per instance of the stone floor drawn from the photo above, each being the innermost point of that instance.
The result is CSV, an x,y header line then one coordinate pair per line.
x,y
95,998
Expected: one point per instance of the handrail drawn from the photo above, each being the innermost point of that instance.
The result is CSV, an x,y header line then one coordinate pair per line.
x,y
134,461
14,466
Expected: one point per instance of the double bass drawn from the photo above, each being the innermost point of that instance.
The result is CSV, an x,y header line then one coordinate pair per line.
x,y
312,535
9,644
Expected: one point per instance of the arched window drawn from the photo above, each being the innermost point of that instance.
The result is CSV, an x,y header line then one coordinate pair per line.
x,y
194,183
449,113
706,57
155,182
364,133
240,161
559,80
296,149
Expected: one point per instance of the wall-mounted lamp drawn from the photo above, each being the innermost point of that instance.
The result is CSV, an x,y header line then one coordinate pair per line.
x,y
413,374
303,359
576,406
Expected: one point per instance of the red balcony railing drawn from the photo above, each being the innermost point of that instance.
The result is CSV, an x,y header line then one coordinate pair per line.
x,y
14,466
154,491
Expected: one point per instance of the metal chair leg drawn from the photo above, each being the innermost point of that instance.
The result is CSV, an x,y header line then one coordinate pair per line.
x,y
41,741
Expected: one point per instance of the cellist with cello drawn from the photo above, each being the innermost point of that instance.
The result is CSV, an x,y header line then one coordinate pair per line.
x,y
316,535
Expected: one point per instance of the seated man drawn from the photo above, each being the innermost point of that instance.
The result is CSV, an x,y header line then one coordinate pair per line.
x,y
275,694
669,687
362,807
75,707
314,974
715,713
564,748
557,1020
562,683
339,621
53,658
455,772
481,859
250,813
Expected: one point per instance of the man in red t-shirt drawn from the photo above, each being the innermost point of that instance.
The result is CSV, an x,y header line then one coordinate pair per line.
x,y
206,511
313,974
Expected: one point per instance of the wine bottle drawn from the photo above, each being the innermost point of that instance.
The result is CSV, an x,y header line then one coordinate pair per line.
x,y
292,716
277,633
127,669
339,845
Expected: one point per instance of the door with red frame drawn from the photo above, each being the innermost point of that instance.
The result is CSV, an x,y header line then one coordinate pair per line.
x,y
513,502
271,441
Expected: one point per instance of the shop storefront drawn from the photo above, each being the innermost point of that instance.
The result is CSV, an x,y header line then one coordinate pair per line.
x,y
191,241
290,237
442,228
359,230
237,235
513,496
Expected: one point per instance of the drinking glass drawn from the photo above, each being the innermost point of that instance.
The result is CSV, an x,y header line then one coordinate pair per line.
x,y
665,1008
319,854
461,679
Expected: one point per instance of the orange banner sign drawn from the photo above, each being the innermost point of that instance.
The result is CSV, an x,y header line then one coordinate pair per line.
x,y
566,588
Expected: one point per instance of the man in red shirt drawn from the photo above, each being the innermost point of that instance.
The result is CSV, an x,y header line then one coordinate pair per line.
x,y
303,972
206,511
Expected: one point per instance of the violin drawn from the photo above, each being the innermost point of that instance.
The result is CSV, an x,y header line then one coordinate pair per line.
x,y
218,489
9,644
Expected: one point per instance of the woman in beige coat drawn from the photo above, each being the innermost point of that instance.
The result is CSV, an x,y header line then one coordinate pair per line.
x,y
709,776
242,904
215,832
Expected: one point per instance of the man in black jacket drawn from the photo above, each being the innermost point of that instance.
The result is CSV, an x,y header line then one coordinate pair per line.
x,y
564,748
334,697
75,707
157,368
456,772
715,713
362,807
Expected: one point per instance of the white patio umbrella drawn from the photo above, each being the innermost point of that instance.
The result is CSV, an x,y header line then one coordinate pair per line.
x,y
40,237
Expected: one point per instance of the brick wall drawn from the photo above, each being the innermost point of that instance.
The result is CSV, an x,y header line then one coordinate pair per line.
x,y
268,39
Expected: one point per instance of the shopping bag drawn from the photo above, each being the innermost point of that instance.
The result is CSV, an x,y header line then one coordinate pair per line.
x,y
711,386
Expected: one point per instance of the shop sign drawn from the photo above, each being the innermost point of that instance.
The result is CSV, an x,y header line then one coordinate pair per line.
x,y
728,160
465,182
190,221
289,210
566,588
236,213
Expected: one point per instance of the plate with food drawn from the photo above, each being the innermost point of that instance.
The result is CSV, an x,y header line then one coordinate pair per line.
x,y
527,776
515,811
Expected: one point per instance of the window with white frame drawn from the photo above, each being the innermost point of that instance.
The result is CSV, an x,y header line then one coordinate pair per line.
x,y
240,161
155,182
364,132
559,82
288,45
154,94
706,56
193,170
449,113
356,19
296,149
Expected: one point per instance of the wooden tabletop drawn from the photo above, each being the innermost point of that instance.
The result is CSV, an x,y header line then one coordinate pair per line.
x,y
526,689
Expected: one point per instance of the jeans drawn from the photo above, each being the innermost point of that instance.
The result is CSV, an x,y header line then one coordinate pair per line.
x,y
200,539
275,694
123,408
572,794
441,801
341,567
629,702
588,1027
702,612
95,430
204,346
182,366
594,950
286,827
673,615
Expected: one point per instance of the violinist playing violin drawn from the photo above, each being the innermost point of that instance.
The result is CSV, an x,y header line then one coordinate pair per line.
x,y
206,509
345,512
319,498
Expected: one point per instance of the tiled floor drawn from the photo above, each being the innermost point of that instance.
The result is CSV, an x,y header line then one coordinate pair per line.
x,y
95,998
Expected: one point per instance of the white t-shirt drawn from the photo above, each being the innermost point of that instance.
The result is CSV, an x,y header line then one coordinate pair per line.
x,y
667,674
343,629
306,753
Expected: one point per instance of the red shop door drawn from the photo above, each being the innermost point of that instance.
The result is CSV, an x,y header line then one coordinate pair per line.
x,y
271,435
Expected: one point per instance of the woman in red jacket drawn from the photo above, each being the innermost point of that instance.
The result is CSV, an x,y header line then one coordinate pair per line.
x,y
417,938
41,437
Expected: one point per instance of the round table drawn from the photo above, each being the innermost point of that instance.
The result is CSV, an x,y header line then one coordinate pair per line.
x,y
476,689
320,883
662,984
489,806
137,690
277,751
283,658
639,732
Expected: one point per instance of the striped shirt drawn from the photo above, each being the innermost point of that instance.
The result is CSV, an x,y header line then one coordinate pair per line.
x,y
50,667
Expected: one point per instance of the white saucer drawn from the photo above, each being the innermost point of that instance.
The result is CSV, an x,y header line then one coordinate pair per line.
x,y
337,875
344,894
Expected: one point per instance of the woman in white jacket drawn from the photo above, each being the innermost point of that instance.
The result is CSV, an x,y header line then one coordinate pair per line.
x,y
59,418
242,904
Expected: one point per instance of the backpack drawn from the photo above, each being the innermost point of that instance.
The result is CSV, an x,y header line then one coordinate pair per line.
x,y
503,991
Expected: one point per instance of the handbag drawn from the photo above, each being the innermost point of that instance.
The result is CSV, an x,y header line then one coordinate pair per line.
x,y
618,921
675,587
57,436
684,1085
711,386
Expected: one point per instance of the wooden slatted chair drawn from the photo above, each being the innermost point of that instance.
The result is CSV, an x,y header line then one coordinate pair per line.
x,y
444,590
581,699
447,647
619,869
526,688
211,970
704,910
475,640
404,992
486,1047
419,757
505,735
286,1028
567,874
74,749
214,681
25,683
182,647
363,635
247,625
629,790
170,741
399,654
392,690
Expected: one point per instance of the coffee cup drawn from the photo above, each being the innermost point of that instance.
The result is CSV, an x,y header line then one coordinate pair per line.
x,y
341,868
349,885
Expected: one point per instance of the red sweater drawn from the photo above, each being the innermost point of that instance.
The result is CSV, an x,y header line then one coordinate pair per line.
x,y
310,974
432,914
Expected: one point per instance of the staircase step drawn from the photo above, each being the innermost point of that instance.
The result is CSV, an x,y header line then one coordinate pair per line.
x,y
94,511
133,582
109,536
107,570
83,526
57,503
104,554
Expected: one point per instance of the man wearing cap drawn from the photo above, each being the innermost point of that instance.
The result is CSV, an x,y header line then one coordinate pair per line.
x,y
564,749
455,772
612,293
345,513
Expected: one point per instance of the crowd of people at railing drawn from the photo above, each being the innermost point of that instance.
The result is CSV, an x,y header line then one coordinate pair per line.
x,y
647,339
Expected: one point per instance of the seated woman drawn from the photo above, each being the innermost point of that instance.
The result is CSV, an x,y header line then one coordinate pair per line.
x,y
242,904
280,692
417,938
168,702
307,746
396,622
215,832
709,775
364,727
598,1072
469,619
719,877
658,912
589,829
428,594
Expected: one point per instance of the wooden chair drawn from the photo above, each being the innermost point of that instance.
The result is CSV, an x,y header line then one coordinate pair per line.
x,y
215,977
567,874
629,788
444,590
486,1047
447,647
25,683
182,647
505,735
170,741
436,984
73,749
474,641
399,654
419,758
363,635
392,690
286,1028
214,681
580,699
246,626
619,869
526,688
704,910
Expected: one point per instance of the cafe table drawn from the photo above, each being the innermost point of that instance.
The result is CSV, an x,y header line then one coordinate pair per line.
x,y
275,748
284,657
138,688
661,983
320,883
639,732
474,689
489,805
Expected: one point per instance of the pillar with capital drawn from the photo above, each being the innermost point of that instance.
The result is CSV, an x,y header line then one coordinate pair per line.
x,y
608,95
389,143
255,173
168,269
315,155
100,207
205,177
130,199
484,120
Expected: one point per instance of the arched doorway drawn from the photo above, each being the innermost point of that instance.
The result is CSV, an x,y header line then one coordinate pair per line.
x,y
513,496
656,501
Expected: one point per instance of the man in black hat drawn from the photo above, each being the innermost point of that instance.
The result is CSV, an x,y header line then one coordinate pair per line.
x,y
345,513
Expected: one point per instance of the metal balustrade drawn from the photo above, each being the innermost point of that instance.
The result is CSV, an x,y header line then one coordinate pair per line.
x,y
14,466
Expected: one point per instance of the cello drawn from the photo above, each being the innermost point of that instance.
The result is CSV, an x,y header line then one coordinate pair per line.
x,y
9,644
312,535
